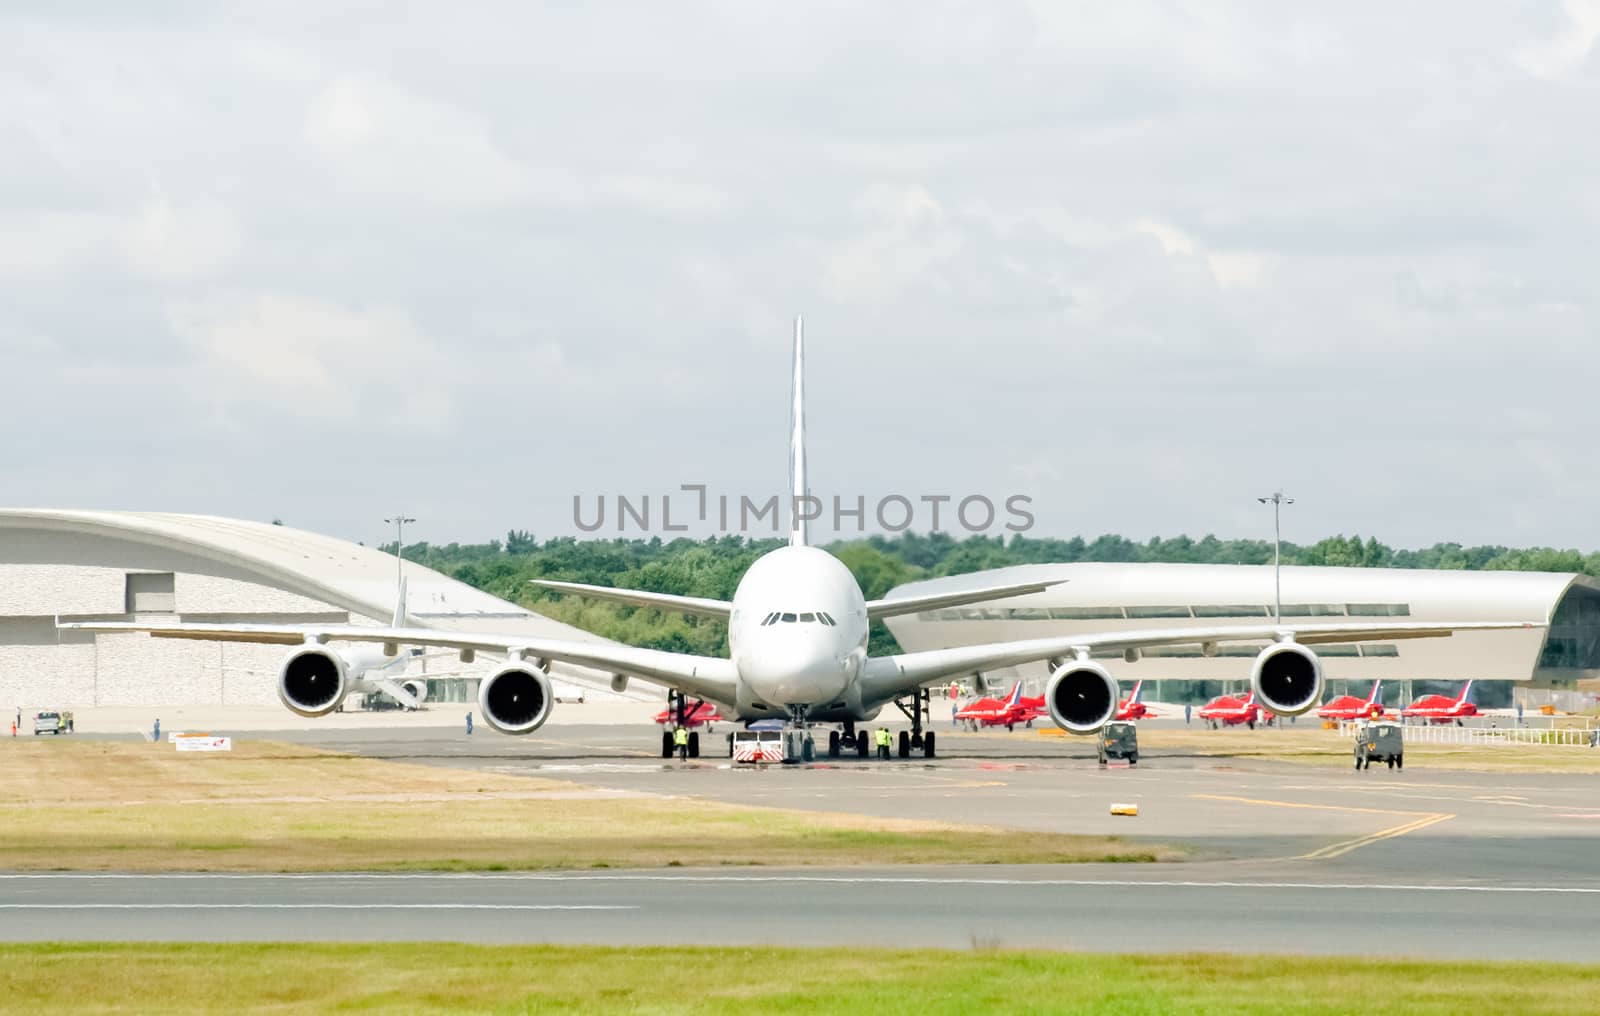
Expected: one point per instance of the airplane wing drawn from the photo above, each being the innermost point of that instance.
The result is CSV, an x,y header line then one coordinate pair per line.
x,y
706,676
884,677
698,605
912,604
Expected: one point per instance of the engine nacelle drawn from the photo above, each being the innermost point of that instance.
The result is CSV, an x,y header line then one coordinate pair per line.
x,y
516,699
1081,697
418,689
312,680
1287,678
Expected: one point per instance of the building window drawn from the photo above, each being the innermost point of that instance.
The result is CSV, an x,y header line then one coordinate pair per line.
x,y
1087,613
1231,610
1379,609
1380,649
1313,610
150,593
1159,612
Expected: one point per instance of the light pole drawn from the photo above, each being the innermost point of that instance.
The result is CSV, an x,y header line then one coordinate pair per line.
x,y
399,523
1277,500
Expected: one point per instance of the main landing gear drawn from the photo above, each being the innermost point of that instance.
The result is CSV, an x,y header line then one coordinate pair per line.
x,y
678,705
850,739
915,706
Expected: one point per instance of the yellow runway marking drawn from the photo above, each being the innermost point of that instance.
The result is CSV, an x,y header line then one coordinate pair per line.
x,y
1297,804
1340,849
1421,820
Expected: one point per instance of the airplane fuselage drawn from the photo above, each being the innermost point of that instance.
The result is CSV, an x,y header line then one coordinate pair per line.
x,y
798,637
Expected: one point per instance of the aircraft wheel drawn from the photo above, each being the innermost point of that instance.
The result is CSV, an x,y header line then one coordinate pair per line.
x,y
666,744
1011,728
861,744
833,744
904,745
927,745
1030,724
694,744
916,741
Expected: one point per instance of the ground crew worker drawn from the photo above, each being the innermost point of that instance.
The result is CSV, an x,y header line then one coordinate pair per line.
x,y
156,734
469,724
883,742
680,740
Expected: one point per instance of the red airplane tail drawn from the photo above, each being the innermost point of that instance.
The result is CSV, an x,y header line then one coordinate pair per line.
x,y
1466,690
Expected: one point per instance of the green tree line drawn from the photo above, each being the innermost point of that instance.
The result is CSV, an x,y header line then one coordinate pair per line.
x,y
713,567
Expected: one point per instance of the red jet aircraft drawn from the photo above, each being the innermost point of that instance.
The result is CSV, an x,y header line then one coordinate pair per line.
x,y
1132,707
701,714
1228,711
988,712
1348,707
1442,708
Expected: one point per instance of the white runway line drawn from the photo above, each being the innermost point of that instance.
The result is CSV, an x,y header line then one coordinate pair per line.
x,y
793,880
311,906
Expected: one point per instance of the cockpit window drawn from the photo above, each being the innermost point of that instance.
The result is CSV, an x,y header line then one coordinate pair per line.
x,y
825,618
787,618
807,618
770,618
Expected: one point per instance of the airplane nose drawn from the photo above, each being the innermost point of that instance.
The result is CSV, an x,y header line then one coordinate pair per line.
x,y
797,674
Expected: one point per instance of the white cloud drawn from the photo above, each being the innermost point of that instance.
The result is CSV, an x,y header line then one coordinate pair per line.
x,y
155,240
1567,49
314,360
389,143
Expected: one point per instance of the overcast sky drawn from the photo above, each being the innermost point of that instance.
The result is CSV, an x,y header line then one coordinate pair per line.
x,y
1141,263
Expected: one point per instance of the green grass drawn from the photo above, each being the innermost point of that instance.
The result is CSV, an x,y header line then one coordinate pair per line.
x,y
453,978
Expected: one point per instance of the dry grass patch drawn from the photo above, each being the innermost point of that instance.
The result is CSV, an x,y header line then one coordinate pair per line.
x,y
268,807
446,978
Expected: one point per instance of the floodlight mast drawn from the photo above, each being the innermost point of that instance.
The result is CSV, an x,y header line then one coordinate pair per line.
x,y
1277,500
399,522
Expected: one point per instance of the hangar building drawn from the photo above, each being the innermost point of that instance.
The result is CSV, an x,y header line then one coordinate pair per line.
x,y
96,566
1122,597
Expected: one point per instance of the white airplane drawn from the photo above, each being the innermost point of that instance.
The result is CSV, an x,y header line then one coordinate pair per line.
x,y
797,639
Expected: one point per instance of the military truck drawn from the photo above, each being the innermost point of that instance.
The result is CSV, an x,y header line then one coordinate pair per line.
x,y
1380,741
1119,740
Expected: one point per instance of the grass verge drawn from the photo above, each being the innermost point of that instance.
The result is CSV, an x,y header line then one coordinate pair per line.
x,y
88,806
454,978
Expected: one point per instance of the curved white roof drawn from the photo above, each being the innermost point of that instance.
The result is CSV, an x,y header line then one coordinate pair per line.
x,y
1462,595
349,576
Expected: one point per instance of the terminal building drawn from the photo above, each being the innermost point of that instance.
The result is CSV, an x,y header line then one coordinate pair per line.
x,y
1124,597
97,566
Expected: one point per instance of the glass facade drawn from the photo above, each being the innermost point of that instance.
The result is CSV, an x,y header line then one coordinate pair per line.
x,y
1209,611
1574,639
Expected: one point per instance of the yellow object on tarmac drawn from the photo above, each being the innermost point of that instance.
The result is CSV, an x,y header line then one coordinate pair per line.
x,y
1124,809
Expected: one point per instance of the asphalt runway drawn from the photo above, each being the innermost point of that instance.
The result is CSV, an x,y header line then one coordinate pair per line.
x,y
1102,908
1287,857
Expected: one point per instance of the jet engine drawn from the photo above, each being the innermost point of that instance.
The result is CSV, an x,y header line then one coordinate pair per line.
x,y
1287,678
1081,696
418,689
516,699
312,681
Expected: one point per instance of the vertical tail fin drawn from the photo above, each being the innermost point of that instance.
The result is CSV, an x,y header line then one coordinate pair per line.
x,y
400,606
1373,698
1016,694
797,440
1138,690
1465,691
